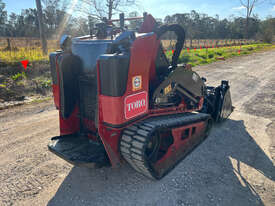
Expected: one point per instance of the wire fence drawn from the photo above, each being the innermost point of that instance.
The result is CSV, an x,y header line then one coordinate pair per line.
x,y
29,42
208,43
26,42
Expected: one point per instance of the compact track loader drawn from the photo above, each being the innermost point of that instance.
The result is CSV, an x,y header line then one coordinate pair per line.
x,y
121,100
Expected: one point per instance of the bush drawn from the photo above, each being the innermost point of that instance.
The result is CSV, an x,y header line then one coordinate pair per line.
x,y
18,76
210,56
185,58
46,83
267,33
203,61
219,53
203,56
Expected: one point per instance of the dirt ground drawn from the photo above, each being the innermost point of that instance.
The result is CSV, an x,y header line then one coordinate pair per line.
x,y
234,166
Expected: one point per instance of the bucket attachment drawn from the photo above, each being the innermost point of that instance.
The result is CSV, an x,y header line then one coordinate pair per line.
x,y
224,106
218,102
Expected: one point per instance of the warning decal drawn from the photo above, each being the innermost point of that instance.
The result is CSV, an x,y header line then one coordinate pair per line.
x,y
136,83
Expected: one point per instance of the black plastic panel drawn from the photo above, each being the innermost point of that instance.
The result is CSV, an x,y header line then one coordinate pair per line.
x,y
69,90
114,74
53,66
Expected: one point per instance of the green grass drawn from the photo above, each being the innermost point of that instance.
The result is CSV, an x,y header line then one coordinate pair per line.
x,y
40,100
31,54
206,56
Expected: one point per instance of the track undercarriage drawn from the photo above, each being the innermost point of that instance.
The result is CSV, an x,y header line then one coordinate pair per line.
x,y
153,147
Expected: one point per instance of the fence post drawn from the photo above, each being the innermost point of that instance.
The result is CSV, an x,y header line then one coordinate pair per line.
x,y
9,44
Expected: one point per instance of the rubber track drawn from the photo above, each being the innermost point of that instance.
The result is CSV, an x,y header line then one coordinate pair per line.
x,y
136,137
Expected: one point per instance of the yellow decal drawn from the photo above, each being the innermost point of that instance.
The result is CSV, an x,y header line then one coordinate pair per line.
x,y
167,89
136,83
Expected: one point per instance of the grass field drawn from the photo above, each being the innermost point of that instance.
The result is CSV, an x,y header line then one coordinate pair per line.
x,y
32,54
205,56
25,48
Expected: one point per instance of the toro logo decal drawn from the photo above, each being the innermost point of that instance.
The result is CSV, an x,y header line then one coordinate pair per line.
x,y
135,105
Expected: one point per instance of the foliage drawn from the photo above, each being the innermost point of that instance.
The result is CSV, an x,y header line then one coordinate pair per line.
x,y
46,83
268,30
202,26
19,75
3,13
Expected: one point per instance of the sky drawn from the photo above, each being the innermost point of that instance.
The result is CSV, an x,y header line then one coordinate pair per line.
x,y
162,8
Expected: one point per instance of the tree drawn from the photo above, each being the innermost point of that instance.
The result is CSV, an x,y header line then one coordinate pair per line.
x,y
267,30
104,8
134,24
11,31
41,29
31,24
50,14
3,17
249,6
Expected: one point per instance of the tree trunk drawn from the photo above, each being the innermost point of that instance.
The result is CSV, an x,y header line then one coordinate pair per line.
x,y
247,19
9,44
41,30
110,9
246,27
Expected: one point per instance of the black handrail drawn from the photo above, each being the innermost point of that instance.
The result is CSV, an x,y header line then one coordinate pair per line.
x,y
179,31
